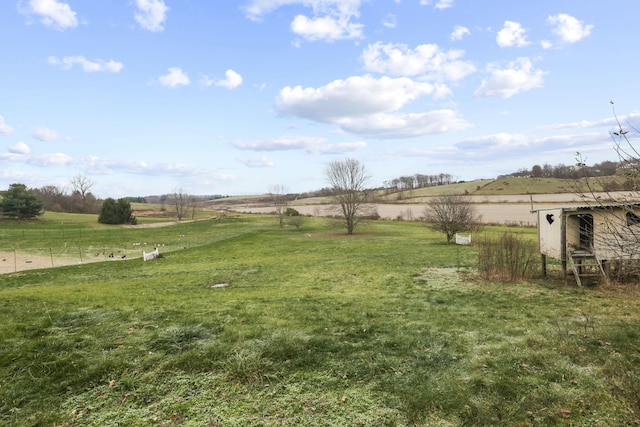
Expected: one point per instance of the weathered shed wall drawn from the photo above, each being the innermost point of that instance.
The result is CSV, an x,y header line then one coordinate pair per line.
x,y
550,232
610,232
614,236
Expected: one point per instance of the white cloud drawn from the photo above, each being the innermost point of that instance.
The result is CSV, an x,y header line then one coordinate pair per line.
x,y
353,97
519,76
508,145
46,134
280,143
312,145
390,21
405,125
20,148
5,129
365,105
256,162
151,14
426,60
512,34
440,4
55,159
45,160
21,153
176,77
339,148
98,65
258,8
444,4
232,80
331,20
327,28
55,14
568,28
459,32
630,120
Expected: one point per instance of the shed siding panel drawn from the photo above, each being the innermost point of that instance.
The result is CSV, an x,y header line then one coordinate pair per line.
x,y
550,232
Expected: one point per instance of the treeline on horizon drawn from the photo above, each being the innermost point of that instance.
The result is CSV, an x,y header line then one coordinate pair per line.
x,y
56,199
562,171
81,200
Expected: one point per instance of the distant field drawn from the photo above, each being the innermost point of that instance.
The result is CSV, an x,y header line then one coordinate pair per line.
x,y
489,187
508,201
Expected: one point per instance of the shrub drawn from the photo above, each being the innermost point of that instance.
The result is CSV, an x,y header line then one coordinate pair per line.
x,y
291,212
296,221
509,258
116,212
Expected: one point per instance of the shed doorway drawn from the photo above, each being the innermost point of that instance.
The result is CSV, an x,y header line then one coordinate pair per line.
x,y
586,231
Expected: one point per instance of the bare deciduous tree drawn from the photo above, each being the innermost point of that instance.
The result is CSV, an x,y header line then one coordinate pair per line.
x,y
87,202
451,214
621,221
193,204
53,197
348,179
81,184
181,202
278,195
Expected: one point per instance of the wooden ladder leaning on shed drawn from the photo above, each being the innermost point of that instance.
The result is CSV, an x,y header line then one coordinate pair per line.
x,y
585,264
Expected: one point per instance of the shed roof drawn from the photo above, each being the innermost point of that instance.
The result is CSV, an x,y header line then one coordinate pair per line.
x,y
592,207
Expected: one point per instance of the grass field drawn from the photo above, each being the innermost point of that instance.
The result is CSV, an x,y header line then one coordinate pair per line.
x,y
260,326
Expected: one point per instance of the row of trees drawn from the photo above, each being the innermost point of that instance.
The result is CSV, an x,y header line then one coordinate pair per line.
x,y
418,181
79,199
562,171
22,203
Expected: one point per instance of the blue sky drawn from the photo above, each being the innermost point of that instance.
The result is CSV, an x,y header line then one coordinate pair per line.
x,y
234,97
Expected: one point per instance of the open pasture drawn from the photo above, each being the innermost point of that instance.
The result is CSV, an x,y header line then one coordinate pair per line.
x,y
257,325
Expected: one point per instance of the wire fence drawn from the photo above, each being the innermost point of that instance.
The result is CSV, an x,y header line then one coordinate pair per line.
x,y
35,258
31,247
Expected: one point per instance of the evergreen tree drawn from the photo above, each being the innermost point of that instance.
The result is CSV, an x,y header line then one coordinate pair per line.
x,y
20,202
116,212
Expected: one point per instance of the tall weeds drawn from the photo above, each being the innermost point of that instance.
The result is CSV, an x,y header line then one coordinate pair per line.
x,y
508,258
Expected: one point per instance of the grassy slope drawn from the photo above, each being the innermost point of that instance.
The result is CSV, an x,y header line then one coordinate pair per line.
x,y
317,328
505,186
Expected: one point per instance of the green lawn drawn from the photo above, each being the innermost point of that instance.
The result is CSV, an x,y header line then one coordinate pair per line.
x,y
386,327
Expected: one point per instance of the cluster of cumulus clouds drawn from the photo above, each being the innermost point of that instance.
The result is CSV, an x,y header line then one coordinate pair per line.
x,y
372,104
150,15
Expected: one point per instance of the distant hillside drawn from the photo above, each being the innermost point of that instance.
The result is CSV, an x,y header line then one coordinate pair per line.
x,y
485,187
531,186
513,186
